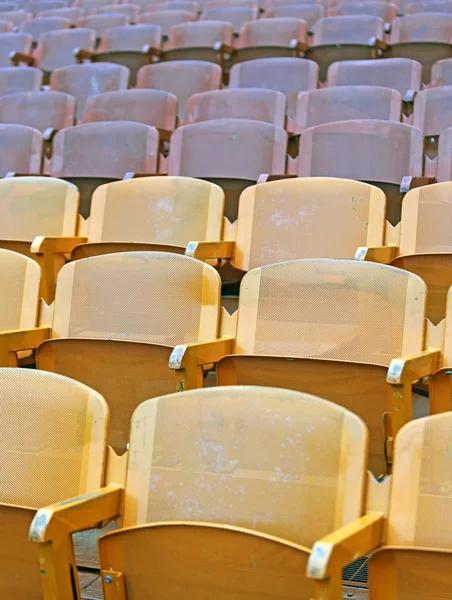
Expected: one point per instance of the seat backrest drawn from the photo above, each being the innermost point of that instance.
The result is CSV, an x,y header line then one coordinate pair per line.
x,y
287,75
16,17
186,5
107,149
200,34
421,485
310,13
131,38
444,170
433,110
13,42
6,26
401,74
35,6
97,298
165,19
151,107
19,79
426,215
348,29
73,14
422,27
182,78
347,103
20,149
442,72
53,438
166,210
240,103
368,150
261,458
91,79
103,22
38,26
279,31
384,10
19,292
237,148
39,110
132,11
307,218
428,6
236,15
56,48
345,310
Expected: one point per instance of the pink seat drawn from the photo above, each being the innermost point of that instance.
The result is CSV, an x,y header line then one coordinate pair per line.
x,y
266,38
19,79
71,14
185,5
310,13
151,107
13,42
444,171
56,48
198,40
258,105
132,11
181,78
36,6
387,11
5,26
102,22
20,149
430,6
39,110
236,15
442,72
16,17
40,25
432,115
130,39
165,19
83,81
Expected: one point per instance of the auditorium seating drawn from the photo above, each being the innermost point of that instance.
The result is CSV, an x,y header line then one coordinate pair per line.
x,y
442,72
384,10
71,14
100,23
19,79
38,26
200,40
432,115
440,388
42,111
132,11
236,15
310,13
20,149
13,42
165,19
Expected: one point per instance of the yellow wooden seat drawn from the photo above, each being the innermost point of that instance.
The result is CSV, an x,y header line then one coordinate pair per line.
x,y
332,328
53,436
286,467
417,559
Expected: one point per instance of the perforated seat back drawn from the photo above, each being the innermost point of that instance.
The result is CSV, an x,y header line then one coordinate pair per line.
x,y
287,75
349,29
167,210
13,42
368,150
107,149
277,461
345,103
154,297
433,110
83,81
20,149
56,48
401,74
332,309
257,104
422,27
237,148
306,218
53,435
19,291
151,107
33,206
38,110
278,31
131,38
182,78
19,79
200,34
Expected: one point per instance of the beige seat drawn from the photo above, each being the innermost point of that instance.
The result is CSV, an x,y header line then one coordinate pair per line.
x,y
425,37
56,48
57,427
19,79
417,554
73,14
101,23
442,72
349,37
310,13
83,81
401,74
96,153
40,110
373,151
20,149
230,152
384,10
183,78
255,104
165,19
440,384
200,40
346,103
275,37
151,107
132,11
13,42
432,115
236,15
287,75
38,26
444,160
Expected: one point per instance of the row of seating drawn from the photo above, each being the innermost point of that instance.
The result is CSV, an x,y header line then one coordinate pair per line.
x,y
226,491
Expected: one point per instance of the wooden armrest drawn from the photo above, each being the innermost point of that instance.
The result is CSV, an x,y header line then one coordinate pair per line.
x,y
378,44
414,366
151,51
165,135
188,359
80,54
20,339
298,47
206,250
19,57
333,552
55,245
409,183
409,96
379,254
266,177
